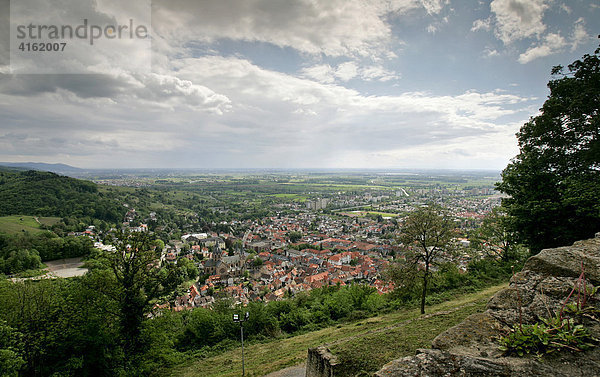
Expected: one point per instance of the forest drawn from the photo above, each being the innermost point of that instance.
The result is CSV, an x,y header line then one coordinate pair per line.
x,y
20,252
48,194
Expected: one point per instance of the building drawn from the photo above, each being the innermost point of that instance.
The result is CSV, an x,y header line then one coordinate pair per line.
x,y
225,266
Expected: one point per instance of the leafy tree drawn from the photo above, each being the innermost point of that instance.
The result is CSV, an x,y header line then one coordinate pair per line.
x,y
135,266
553,181
24,251
496,236
11,350
188,268
257,262
426,234
294,236
160,244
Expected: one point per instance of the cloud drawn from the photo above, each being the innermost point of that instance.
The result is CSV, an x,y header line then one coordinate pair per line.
x,y
355,28
268,118
346,71
344,113
469,152
552,44
377,72
334,28
431,29
433,6
83,55
322,73
490,52
519,19
565,8
210,103
579,34
484,24
172,92
139,90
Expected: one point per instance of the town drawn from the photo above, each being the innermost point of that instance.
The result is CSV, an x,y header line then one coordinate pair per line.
x,y
308,239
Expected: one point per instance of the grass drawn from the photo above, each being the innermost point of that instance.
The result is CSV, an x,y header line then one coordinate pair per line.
x,y
20,223
49,221
31,273
366,354
263,358
299,197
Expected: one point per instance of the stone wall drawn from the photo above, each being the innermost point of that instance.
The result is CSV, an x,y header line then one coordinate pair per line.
x,y
320,362
538,291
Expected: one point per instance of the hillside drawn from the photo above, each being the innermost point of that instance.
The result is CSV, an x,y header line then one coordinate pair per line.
x,y
264,358
18,224
49,194
545,323
55,168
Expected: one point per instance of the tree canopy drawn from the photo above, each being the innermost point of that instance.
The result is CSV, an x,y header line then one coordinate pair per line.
x,y
426,234
554,181
48,194
496,236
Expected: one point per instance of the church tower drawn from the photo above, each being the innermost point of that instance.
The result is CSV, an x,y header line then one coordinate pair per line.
x,y
217,254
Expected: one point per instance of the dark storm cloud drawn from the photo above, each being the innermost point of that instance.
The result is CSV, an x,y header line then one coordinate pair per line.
x,y
84,86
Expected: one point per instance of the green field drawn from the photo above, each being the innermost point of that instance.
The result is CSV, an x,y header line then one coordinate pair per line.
x,y
383,214
263,358
365,213
17,224
298,197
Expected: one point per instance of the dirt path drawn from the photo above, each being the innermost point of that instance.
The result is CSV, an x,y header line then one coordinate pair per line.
x,y
295,371
65,268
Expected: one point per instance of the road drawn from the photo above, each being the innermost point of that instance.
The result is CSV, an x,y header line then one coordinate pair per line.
x,y
295,371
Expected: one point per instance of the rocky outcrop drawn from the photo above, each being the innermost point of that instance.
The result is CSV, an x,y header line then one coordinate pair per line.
x,y
538,291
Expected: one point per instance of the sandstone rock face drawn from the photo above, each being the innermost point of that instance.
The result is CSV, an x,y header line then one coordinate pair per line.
x,y
539,291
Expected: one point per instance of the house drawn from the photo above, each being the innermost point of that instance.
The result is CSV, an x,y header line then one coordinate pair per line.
x,y
339,259
260,246
212,241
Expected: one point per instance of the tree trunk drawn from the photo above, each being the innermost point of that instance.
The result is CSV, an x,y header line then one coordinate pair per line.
x,y
424,293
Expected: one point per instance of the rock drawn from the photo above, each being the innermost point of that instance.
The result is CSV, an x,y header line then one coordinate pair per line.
x,y
539,291
477,328
320,362
567,261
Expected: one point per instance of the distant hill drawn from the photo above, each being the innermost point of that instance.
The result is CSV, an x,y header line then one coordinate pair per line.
x,y
39,193
55,168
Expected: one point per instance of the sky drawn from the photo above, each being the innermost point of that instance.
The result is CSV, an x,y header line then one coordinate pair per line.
x,y
386,84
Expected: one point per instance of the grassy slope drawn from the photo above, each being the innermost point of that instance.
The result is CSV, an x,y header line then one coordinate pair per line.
x,y
382,330
367,353
17,223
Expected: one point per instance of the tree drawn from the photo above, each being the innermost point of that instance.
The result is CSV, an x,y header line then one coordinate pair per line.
x,y
294,236
496,236
160,244
553,181
140,280
11,350
426,234
257,262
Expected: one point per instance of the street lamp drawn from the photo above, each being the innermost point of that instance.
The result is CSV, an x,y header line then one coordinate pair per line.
x,y
237,319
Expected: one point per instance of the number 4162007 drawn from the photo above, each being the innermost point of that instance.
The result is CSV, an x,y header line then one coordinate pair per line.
x,y
39,46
